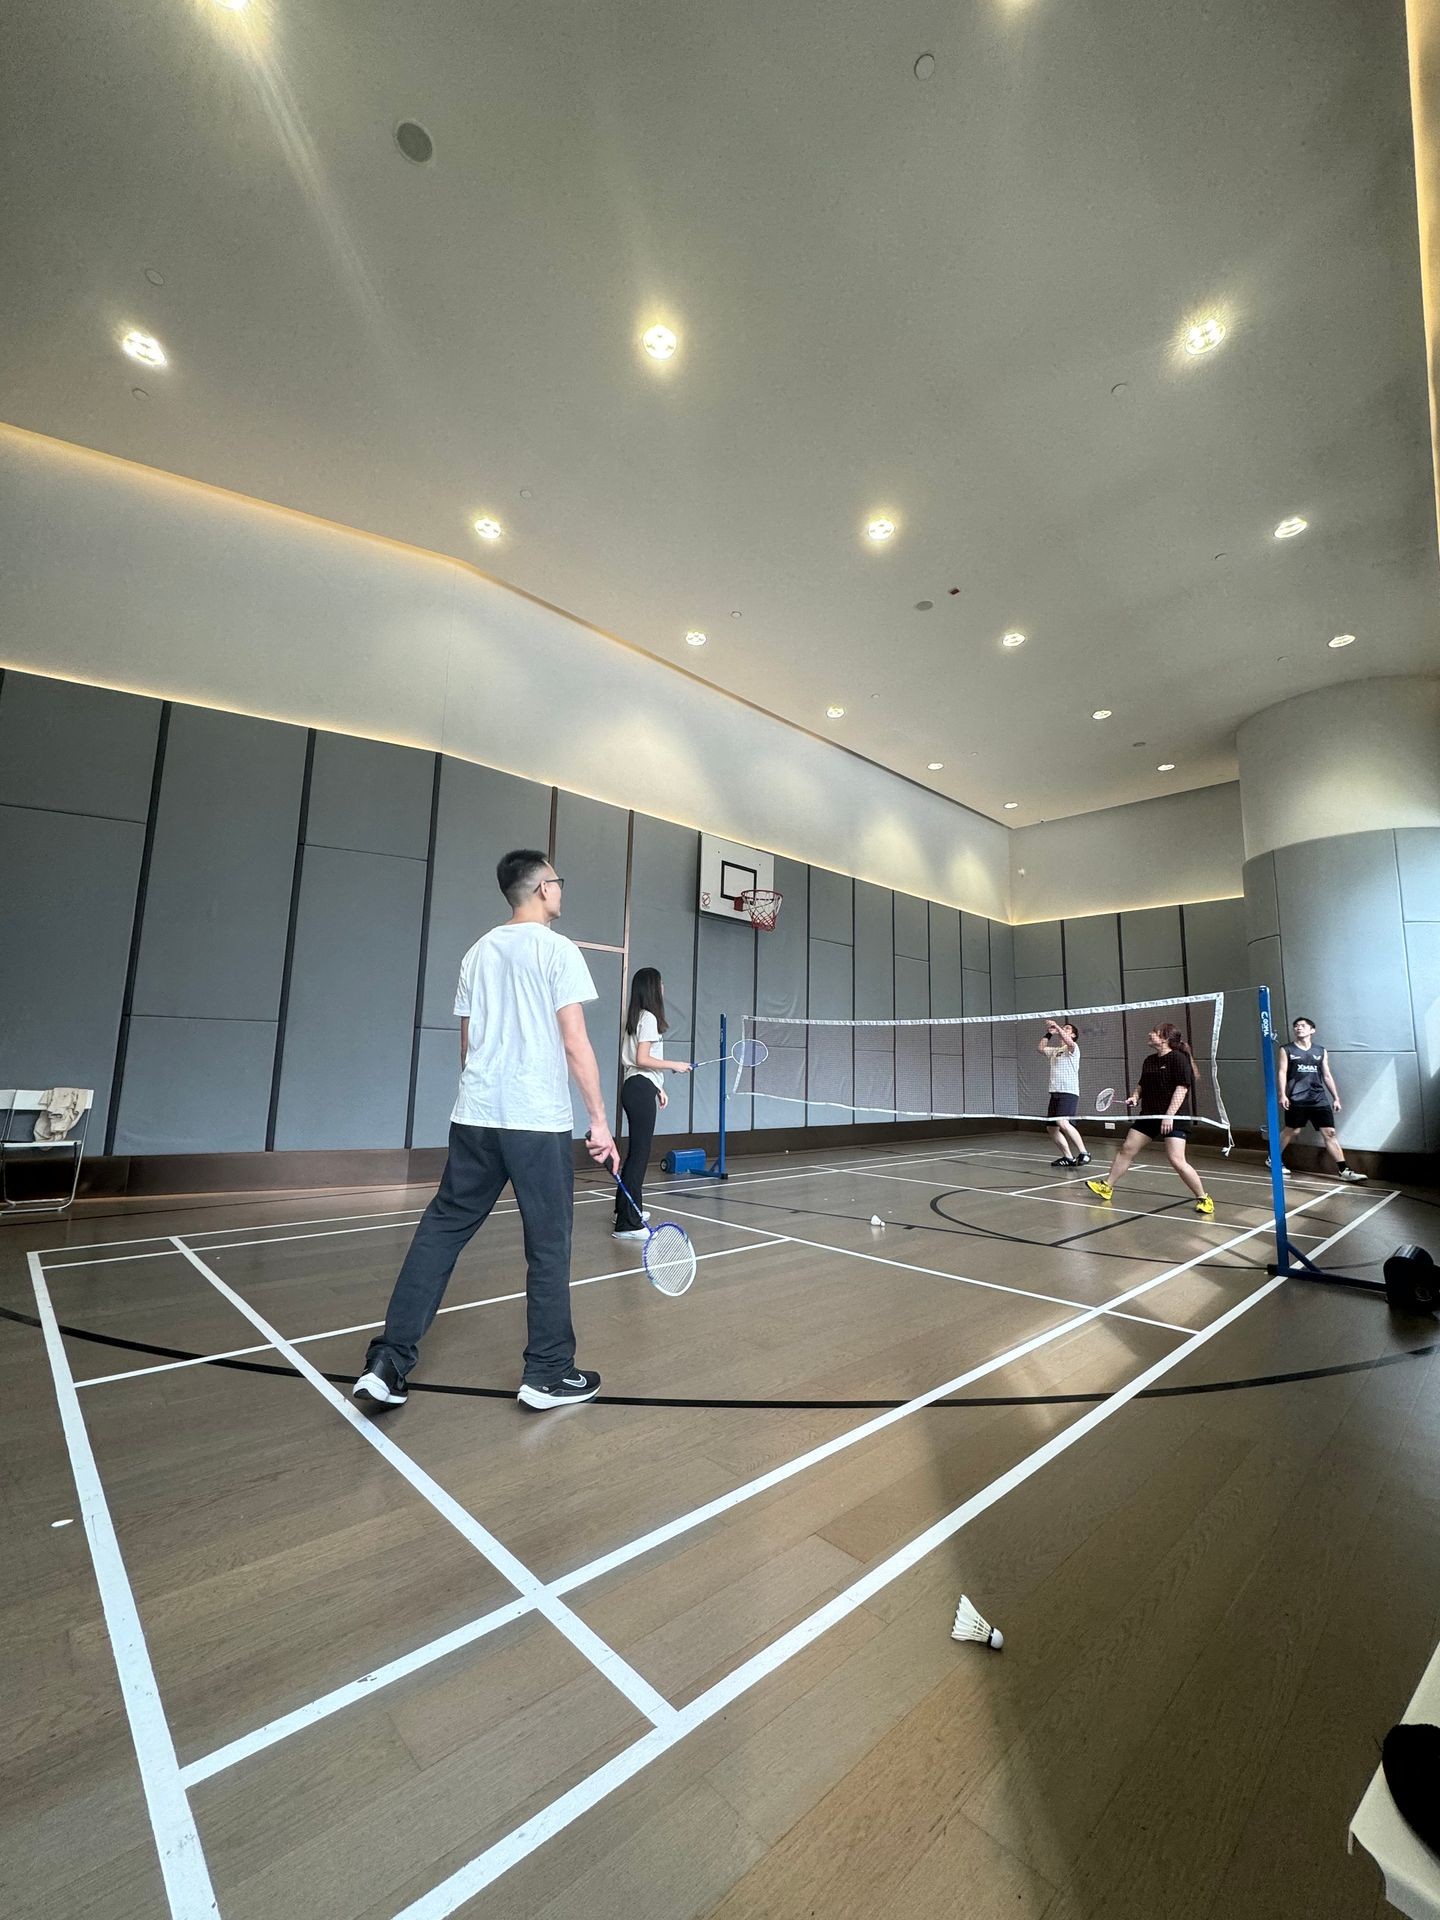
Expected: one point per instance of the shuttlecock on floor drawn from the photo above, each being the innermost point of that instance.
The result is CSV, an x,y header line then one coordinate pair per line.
x,y
971,1624
876,1221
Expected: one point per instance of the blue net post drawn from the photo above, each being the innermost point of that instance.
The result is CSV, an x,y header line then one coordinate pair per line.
x,y
1272,1132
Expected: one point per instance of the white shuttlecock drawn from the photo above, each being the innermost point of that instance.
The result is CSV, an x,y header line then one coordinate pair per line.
x,y
876,1221
971,1624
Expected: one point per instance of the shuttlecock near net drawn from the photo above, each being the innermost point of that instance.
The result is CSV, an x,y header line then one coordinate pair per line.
x,y
971,1624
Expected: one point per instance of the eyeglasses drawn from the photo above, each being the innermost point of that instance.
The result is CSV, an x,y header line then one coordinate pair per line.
x,y
554,881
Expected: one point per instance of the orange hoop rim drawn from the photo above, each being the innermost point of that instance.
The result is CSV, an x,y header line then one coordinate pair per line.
x,y
763,906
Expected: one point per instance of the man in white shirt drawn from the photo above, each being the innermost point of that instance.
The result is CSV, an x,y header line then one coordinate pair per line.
x,y
522,1038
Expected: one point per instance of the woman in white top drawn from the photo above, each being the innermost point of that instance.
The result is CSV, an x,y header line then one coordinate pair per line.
x,y
642,1093
1060,1045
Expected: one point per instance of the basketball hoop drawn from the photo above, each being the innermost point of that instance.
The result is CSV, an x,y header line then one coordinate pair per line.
x,y
763,905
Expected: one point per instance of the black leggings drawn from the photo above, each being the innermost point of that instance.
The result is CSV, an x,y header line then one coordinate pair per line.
x,y
640,1099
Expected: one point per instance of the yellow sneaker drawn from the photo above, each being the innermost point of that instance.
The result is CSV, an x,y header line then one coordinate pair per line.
x,y
1205,1205
1103,1188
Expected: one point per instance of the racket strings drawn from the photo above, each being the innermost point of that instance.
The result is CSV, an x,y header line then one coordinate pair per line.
x,y
669,1259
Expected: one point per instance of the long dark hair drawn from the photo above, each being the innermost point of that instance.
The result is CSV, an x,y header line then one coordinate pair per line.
x,y
646,996
1177,1043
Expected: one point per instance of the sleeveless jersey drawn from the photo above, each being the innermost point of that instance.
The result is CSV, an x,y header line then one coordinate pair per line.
x,y
1304,1083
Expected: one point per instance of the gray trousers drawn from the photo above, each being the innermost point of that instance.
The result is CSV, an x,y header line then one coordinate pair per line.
x,y
482,1161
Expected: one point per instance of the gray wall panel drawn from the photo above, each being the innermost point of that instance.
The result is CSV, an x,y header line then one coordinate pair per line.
x,y
1037,949
1266,970
977,993
1092,960
590,851
483,814
217,908
436,1084
946,986
197,1086
369,796
912,989
782,989
1418,851
1242,1083
68,888
831,1076
912,927
350,1022
1344,947
874,953
1215,959
975,942
662,934
1262,908
1044,993
602,1022
1155,983
1150,937
1422,945
1380,1099
76,749
1002,968
726,985
832,915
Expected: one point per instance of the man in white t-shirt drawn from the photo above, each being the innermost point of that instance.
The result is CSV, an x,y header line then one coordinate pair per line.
x,y
522,1039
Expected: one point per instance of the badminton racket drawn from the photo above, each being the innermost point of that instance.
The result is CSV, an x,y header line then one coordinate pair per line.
x,y
667,1257
745,1053
1107,1097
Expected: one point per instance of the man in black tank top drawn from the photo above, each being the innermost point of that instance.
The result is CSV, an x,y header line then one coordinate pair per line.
x,y
1309,1096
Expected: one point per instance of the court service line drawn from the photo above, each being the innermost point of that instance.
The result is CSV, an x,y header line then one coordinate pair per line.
x,y
188,1889
489,1866
369,1326
368,1684
1219,1173
618,1671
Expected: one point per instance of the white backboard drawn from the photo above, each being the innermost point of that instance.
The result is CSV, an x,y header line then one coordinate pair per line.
x,y
727,869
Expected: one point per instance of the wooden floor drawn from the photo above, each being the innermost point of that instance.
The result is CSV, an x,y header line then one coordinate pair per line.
x,y
1214,1602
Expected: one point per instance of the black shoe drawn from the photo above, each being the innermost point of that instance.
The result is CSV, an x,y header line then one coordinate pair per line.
x,y
575,1387
1065,1161
381,1385
1082,1161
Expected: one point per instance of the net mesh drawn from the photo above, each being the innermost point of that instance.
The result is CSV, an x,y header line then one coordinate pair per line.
x,y
981,1066
669,1258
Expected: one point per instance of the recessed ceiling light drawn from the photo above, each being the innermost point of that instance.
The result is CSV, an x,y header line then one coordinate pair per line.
x,y
934,766
1288,529
880,530
1204,337
1101,713
527,493
154,276
834,713
694,638
925,66
1343,640
1010,805
488,529
1013,640
1166,766
660,343
735,613
414,142
144,348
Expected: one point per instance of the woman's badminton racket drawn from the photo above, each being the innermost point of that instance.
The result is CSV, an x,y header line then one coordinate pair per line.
x,y
745,1053
1107,1097
667,1257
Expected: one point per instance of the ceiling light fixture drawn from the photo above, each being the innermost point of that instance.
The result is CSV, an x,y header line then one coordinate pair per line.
x,y
1288,529
1101,713
414,142
1166,766
1013,640
694,638
233,6
488,529
660,343
834,713
934,766
1343,640
1204,337
144,348
880,529
1010,805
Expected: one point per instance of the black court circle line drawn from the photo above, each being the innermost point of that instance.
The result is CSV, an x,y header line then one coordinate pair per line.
x,y
1296,1377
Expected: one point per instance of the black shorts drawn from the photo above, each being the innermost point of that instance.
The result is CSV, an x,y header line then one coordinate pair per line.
x,y
1149,1125
1063,1106
1307,1114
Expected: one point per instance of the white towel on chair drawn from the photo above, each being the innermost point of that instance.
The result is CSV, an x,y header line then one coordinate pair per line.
x,y
60,1109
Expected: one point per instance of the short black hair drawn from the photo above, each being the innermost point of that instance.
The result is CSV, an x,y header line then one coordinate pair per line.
x,y
1308,1021
515,872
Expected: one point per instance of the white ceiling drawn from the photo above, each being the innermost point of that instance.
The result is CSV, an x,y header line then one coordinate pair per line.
x,y
956,301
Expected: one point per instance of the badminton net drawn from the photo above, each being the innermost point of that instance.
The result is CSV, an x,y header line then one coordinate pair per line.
x,y
976,1067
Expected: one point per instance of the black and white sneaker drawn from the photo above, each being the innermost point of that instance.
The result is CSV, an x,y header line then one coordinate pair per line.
x,y
1081,1160
1065,1160
382,1385
630,1233
576,1386
1351,1177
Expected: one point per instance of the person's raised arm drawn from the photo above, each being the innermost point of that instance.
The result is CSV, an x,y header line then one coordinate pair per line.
x,y
580,1057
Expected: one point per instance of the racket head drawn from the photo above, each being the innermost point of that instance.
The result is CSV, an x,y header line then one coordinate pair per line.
x,y
669,1259
749,1053
1105,1099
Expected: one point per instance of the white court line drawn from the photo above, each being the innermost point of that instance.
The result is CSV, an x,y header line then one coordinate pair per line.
x,y
365,1687
1218,1173
369,1326
635,1687
182,1859
524,1840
